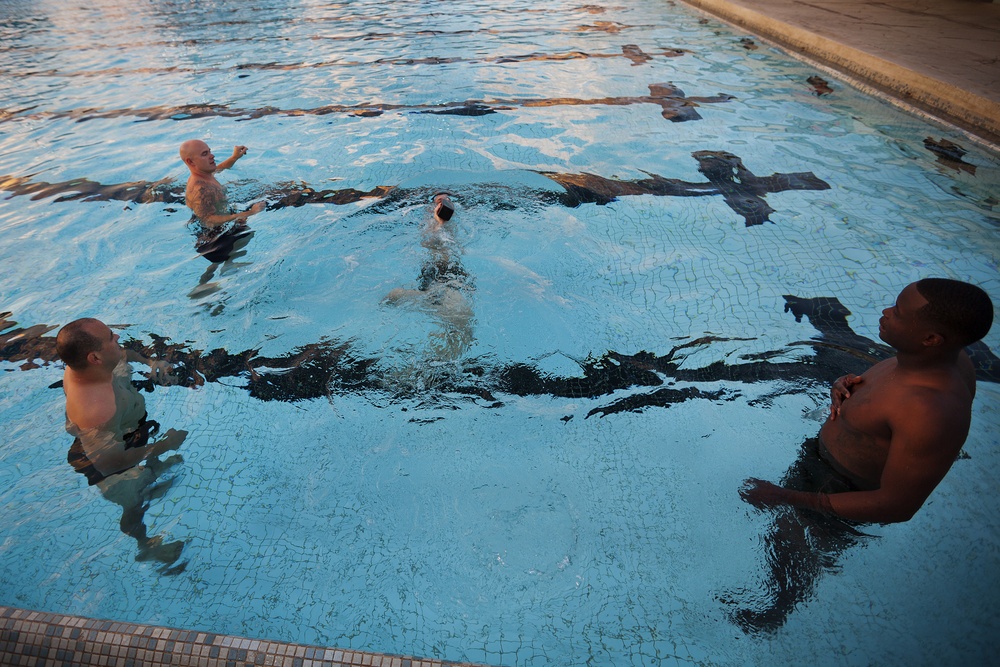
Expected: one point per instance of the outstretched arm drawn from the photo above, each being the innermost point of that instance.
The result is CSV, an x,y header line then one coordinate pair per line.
x,y
238,152
160,372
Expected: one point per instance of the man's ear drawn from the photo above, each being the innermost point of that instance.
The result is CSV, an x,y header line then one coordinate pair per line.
x,y
94,358
933,339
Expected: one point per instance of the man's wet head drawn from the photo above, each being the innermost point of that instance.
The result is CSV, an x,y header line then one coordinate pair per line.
x,y
962,311
443,208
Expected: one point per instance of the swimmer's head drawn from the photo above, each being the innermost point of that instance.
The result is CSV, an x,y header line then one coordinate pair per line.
x,y
198,156
86,342
443,208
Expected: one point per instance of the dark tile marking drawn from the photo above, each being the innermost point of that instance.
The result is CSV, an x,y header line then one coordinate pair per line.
x,y
829,316
169,192
636,55
138,192
949,155
676,107
820,85
610,27
742,190
330,367
468,110
340,35
629,51
748,44
593,9
26,345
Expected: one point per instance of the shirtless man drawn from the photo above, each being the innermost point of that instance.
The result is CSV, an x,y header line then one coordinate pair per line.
x,y
221,230
204,194
444,285
894,431
107,416
891,436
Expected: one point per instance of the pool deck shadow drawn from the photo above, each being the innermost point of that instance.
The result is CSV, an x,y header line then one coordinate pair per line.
x,y
39,638
941,57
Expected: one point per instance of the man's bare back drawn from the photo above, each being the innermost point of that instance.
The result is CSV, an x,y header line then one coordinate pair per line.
x,y
896,430
113,446
102,405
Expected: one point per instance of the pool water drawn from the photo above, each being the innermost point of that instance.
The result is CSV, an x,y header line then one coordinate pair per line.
x,y
667,244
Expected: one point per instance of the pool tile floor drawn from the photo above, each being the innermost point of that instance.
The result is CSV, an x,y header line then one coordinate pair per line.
x,y
899,45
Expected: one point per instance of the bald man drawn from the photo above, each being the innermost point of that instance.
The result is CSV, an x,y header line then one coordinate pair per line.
x,y
221,230
204,194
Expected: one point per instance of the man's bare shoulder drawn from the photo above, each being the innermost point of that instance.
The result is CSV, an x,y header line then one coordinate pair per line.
x,y
206,187
929,401
932,391
90,406
930,411
201,190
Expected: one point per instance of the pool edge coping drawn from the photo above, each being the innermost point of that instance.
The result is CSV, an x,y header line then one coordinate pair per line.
x,y
46,638
974,114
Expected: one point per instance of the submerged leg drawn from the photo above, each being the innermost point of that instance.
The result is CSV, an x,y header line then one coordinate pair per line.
x,y
800,546
129,490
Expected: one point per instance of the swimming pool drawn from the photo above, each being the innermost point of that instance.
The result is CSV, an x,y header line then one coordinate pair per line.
x,y
550,476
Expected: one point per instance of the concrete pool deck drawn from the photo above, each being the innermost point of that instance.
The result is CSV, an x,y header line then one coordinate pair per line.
x,y
940,56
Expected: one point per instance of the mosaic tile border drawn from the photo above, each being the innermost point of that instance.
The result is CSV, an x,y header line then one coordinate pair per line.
x,y
53,640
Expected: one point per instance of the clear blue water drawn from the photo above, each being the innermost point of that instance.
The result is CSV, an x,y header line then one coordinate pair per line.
x,y
509,481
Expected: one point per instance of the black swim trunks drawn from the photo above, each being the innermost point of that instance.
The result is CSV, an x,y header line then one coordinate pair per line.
x,y
813,473
441,273
77,457
216,244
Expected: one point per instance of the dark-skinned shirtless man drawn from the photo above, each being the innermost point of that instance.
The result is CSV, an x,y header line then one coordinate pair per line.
x,y
206,198
890,437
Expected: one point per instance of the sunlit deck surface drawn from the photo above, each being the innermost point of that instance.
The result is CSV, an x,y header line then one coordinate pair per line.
x,y
940,56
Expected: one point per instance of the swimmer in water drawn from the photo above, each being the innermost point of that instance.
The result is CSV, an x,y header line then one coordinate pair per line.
x,y
890,437
115,446
444,285
443,208
206,197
